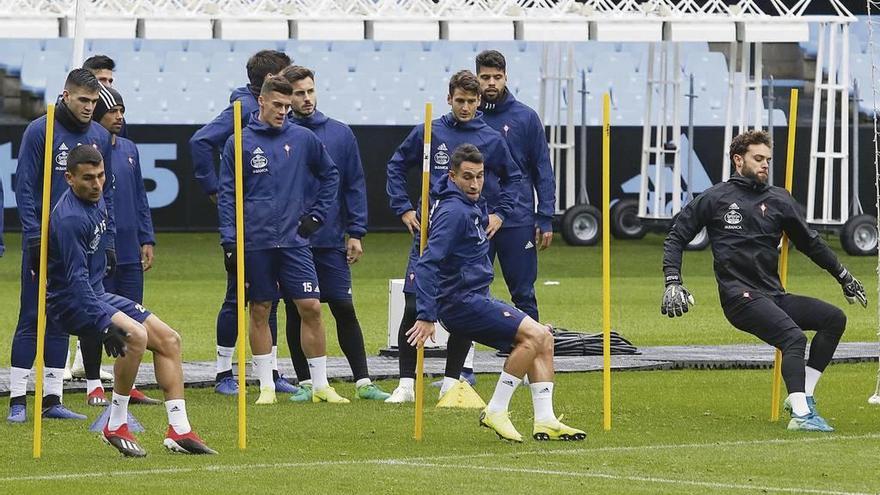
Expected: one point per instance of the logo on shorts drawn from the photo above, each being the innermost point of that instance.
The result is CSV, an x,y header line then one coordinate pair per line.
x,y
259,161
140,308
529,245
733,218
441,157
746,294
507,314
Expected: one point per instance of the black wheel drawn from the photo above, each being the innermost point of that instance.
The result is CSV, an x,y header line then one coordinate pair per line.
x,y
699,242
859,235
625,222
582,225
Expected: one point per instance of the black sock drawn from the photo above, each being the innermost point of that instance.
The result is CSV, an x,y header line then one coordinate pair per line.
x,y
351,338
294,342
21,400
222,375
456,352
275,375
51,400
91,354
406,352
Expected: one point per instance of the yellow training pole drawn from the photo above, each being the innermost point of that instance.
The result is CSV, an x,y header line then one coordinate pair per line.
x,y
783,258
41,292
423,241
606,261
239,281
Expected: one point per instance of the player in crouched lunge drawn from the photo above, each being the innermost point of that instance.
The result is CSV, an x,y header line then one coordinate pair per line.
x,y
78,304
452,285
282,208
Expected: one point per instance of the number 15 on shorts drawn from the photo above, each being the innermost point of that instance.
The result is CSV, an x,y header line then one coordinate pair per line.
x,y
307,287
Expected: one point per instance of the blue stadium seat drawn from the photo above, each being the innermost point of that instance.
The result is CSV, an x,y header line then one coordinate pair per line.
x,y
207,47
185,62
38,67
228,62
137,61
401,46
360,47
293,47
12,53
160,47
58,45
251,47
113,48
389,61
54,87
507,48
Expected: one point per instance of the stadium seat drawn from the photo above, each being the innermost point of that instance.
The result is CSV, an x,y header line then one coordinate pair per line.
x,y
160,47
185,62
388,61
113,48
12,53
137,61
302,47
58,45
38,67
228,62
364,46
207,47
251,47
401,46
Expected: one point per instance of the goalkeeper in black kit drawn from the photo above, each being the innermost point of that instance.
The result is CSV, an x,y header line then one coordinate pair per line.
x,y
745,218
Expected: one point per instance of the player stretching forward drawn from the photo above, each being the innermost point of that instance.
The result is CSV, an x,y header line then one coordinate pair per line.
x,y
281,161
452,286
745,218
77,303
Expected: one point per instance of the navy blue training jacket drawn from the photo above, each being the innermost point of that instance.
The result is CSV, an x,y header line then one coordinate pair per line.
x,y
455,263
347,215
205,143
134,225
502,173
524,133
77,240
278,167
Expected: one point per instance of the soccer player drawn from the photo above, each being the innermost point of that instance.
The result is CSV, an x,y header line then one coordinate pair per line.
x,y
77,302
73,126
102,67
134,235
203,147
281,161
331,252
464,124
745,218
452,286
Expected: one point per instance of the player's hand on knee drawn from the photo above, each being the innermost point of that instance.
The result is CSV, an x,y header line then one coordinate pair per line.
x,y
494,225
308,225
229,257
853,290
412,223
420,333
113,337
676,299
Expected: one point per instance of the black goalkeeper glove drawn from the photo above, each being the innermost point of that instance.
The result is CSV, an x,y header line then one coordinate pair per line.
x,y
34,256
111,263
229,258
113,338
676,299
308,224
853,290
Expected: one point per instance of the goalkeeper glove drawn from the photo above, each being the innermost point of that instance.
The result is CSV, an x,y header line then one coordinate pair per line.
x,y
853,290
676,299
34,256
113,338
111,263
308,224
229,258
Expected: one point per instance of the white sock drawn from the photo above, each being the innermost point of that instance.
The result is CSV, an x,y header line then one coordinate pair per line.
x,y
77,357
263,364
224,358
363,382
542,401
176,409
274,357
92,385
18,378
318,370
504,389
798,401
407,383
306,382
53,381
447,384
118,411
469,359
812,376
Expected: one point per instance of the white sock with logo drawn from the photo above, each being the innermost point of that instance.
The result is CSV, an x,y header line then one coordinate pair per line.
x,y
53,382
176,409
224,358
263,364
18,378
504,389
118,411
318,370
542,401
91,385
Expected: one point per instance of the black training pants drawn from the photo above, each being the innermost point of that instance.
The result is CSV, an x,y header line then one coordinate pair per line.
x,y
781,320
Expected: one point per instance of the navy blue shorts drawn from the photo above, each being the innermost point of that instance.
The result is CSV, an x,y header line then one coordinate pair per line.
x,y
281,272
72,320
483,319
334,274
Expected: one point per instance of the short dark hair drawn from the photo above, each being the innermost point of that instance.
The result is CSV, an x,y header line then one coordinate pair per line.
x,y
83,153
464,80
278,84
99,62
465,153
740,144
263,63
294,73
492,59
82,78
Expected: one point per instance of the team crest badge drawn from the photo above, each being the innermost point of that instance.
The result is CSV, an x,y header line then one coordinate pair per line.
x,y
258,160
442,155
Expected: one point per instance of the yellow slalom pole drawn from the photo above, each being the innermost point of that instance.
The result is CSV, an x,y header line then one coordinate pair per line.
x,y
783,258
239,281
606,262
423,241
41,292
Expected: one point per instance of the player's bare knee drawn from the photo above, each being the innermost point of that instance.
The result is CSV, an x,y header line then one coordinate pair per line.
x,y
309,309
261,310
136,341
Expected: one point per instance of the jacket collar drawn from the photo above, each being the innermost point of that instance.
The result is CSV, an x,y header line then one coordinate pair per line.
x,y
475,123
748,183
316,119
261,127
504,102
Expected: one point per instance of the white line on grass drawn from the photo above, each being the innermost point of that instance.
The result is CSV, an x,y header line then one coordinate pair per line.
x,y
622,477
405,460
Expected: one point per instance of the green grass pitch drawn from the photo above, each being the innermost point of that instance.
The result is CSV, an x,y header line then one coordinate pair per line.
x,y
673,431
